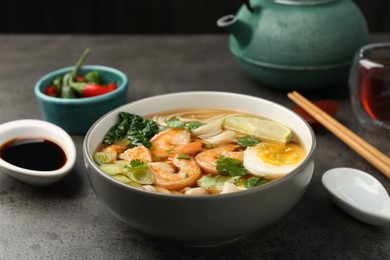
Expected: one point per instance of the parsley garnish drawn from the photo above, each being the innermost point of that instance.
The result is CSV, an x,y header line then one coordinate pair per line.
x,y
248,140
175,123
183,156
193,125
255,181
137,164
230,167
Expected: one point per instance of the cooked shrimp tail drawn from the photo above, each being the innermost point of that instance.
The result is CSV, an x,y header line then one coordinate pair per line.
x,y
179,172
207,160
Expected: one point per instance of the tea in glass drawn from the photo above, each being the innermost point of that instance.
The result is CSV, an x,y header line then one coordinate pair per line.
x,y
370,87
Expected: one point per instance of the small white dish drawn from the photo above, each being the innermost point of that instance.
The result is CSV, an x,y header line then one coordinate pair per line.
x,y
359,194
31,128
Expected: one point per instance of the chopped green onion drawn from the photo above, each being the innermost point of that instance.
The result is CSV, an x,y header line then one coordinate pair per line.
x,y
102,158
141,176
126,180
140,173
111,169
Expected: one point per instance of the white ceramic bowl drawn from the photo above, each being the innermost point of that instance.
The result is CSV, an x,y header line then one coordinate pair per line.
x,y
197,220
30,128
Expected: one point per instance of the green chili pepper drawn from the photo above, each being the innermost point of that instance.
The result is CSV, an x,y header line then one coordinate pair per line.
x,y
66,90
76,68
92,77
57,82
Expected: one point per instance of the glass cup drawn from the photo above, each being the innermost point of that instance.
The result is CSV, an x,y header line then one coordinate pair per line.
x,y
369,83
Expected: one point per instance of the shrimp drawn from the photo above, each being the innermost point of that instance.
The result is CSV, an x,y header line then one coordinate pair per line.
x,y
207,160
139,152
174,140
176,173
114,151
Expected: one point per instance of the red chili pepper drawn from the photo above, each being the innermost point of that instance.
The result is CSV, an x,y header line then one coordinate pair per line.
x,y
111,86
92,90
80,79
51,91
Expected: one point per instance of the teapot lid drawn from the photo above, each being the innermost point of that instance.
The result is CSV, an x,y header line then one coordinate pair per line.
x,y
303,2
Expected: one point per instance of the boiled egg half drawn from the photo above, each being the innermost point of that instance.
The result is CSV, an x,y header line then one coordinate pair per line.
x,y
273,160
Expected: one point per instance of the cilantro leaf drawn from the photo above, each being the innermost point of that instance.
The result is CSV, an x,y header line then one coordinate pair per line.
x,y
255,181
140,173
137,164
175,123
230,167
248,140
193,125
183,156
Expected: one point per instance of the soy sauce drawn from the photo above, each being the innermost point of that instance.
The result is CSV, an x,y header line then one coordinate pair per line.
x,y
33,153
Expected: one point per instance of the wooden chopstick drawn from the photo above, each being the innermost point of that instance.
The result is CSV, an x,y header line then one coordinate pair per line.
x,y
359,145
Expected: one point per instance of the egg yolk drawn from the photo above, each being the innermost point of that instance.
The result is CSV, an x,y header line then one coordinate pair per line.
x,y
280,154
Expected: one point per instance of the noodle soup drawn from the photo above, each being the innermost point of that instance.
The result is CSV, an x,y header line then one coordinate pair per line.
x,y
198,151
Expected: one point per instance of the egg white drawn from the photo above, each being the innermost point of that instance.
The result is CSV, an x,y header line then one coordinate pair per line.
x,y
256,166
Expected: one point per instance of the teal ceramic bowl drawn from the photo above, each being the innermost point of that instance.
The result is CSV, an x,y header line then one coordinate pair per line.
x,y
77,115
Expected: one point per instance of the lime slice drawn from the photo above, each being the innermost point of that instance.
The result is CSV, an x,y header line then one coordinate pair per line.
x,y
260,128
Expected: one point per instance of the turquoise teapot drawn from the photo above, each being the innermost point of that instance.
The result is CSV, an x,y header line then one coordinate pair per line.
x,y
296,44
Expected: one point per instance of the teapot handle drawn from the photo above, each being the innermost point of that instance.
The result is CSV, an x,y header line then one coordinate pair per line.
x,y
248,5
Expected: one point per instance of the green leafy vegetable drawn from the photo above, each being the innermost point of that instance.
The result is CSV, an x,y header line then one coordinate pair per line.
x,y
138,164
255,181
248,140
137,129
230,167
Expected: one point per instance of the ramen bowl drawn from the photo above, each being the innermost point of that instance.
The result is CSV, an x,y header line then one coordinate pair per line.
x,y
201,220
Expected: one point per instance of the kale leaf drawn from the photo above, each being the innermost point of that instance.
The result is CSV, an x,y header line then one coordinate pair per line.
x,y
137,129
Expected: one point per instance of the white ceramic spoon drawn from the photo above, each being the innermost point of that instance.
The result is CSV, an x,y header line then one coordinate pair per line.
x,y
359,194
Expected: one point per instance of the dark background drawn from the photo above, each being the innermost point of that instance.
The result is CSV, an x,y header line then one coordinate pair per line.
x,y
143,16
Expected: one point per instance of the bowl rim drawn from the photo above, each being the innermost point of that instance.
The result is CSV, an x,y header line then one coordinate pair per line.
x,y
39,85
309,158
69,149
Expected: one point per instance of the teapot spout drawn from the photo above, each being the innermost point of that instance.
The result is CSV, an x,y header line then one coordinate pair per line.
x,y
239,29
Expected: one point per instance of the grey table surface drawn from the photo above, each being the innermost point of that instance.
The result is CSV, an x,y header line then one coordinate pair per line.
x,y
66,221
